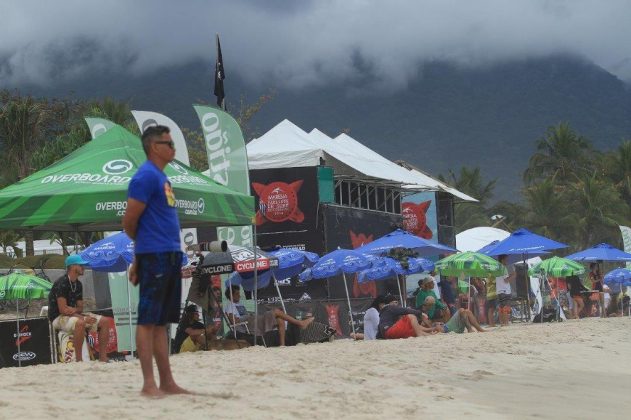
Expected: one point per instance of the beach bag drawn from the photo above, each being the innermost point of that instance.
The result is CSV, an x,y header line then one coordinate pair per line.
x,y
316,332
549,315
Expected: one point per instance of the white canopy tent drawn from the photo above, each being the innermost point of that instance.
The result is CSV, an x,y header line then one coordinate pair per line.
x,y
287,145
478,237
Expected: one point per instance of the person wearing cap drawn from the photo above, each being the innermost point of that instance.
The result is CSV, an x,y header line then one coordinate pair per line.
x,y
438,311
65,309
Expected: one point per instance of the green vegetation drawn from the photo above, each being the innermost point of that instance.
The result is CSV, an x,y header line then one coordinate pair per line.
x,y
572,192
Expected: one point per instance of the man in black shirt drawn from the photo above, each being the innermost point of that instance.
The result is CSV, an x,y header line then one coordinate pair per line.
x,y
65,309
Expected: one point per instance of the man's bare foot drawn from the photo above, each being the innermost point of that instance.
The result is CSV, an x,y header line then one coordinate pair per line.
x,y
152,393
305,322
174,389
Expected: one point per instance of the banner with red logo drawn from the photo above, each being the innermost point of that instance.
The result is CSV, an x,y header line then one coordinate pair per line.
x,y
335,313
286,199
351,228
420,218
34,340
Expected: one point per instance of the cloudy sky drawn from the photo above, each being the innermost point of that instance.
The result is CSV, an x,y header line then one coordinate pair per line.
x,y
299,43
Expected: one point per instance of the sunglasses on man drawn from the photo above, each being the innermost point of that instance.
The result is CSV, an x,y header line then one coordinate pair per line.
x,y
167,142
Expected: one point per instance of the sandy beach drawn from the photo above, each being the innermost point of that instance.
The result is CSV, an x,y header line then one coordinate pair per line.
x,y
575,369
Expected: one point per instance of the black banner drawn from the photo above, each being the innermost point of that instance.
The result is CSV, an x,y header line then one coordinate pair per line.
x,y
335,313
292,288
351,228
34,341
286,199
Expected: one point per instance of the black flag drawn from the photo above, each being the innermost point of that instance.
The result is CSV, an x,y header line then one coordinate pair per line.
x,y
219,76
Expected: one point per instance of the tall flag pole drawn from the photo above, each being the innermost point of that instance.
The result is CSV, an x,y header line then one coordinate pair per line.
x,y
219,77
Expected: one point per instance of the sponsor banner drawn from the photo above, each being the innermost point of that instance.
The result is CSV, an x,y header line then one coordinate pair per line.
x,y
420,218
34,341
351,228
98,126
286,199
227,163
146,119
291,288
335,313
125,299
419,215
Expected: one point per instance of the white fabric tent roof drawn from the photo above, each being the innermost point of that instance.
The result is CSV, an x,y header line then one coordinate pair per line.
x,y
478,237
287,145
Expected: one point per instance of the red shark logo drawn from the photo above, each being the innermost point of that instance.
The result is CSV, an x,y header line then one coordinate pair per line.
x,y
368,288
415,220
278,202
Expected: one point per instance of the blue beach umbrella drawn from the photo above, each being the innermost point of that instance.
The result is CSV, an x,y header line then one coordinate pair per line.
x,y
512,258
292,262
390,267
619,276
341,261
402,239
524,242
602,252
111,254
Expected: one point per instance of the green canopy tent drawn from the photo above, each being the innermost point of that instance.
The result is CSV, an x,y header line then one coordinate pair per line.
x,y
87,191
16,286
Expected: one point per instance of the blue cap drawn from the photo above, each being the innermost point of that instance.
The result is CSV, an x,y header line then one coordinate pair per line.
x,y
75,259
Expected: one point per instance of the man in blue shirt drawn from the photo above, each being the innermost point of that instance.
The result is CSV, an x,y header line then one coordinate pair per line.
x,y
151,220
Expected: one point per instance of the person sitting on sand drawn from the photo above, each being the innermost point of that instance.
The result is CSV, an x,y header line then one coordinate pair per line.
x,y
398,322
238,316
462,319
438,310
191,334
371,320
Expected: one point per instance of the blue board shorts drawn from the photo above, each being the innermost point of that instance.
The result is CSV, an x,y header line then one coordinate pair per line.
x,y
160,280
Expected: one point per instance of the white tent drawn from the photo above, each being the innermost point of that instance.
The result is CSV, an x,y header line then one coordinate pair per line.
x,y
287,145
478,237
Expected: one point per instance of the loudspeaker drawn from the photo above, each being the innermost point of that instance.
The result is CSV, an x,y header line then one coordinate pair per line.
x,y
522,280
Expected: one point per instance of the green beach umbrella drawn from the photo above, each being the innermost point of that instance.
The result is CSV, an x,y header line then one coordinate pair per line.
x,y
16,286
470,264
557,267
23,286
87,191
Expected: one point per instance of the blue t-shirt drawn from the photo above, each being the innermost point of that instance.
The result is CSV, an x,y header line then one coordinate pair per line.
x,y
158,226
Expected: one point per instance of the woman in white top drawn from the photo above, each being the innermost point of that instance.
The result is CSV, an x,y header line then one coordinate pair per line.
x,y
371,320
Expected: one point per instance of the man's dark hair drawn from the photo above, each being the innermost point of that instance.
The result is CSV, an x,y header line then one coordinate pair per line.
x,y
234,287
152,133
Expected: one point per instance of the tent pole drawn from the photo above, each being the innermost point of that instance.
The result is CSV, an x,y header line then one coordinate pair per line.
x,y
400,294
17,313
256,285
348,299
278,291
131,335
469,293
234,327
524,258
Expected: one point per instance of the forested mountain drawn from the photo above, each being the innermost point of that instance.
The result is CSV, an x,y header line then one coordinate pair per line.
x,y
447,117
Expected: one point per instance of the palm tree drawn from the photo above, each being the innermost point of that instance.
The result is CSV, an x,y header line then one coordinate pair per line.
x,y
597,211
470,182
560,154
547,209
617,167
9,238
